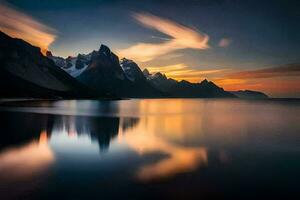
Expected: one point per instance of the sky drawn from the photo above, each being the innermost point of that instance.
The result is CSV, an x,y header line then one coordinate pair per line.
x,y
237,44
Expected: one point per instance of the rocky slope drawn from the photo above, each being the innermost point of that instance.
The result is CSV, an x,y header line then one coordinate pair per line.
x,y
25,72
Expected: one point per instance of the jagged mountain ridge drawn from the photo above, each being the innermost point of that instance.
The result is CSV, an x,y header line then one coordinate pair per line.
x,y
185,89
26,72
103,71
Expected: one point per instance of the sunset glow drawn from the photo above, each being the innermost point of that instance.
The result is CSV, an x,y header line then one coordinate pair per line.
x,y
230,48
149,99
183,72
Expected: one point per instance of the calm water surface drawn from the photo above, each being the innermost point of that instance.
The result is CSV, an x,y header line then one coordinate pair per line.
x,y
147,149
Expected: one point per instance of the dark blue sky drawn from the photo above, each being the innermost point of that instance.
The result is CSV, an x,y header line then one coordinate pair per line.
x,y
257,34
261,30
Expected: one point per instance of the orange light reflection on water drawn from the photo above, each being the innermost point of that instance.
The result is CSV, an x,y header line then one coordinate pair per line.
x,y
179,158
165,134
23,162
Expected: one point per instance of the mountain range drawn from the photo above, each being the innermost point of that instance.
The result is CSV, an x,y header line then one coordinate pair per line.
x,y
26,72
185,89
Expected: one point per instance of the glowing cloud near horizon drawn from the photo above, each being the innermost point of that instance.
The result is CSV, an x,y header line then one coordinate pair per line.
x,y
275,81
182,37
181,71
19,25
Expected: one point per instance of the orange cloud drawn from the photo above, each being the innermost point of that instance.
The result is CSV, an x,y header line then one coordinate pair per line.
x,y
182,37
20,25
229,81
167,69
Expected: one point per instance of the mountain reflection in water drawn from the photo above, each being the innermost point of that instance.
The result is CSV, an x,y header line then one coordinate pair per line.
x,y
48,148
102,130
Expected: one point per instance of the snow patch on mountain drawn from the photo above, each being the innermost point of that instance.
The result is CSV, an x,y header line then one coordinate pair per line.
x,y
73,71
127,66
72,65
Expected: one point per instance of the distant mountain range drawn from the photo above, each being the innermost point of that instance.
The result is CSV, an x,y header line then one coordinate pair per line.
x,y
184,88
25,72
248,94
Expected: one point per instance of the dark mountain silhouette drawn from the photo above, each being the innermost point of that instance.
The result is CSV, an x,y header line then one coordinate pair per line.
x,y
249,94
100,129
25,72
185,89
105,74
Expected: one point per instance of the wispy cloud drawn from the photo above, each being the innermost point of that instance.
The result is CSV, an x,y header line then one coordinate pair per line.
x,y
20,25
182,72
281,71
224,42
168,68
276,81
182,37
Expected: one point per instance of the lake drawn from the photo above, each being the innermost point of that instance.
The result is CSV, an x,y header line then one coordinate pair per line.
x,y
150,149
